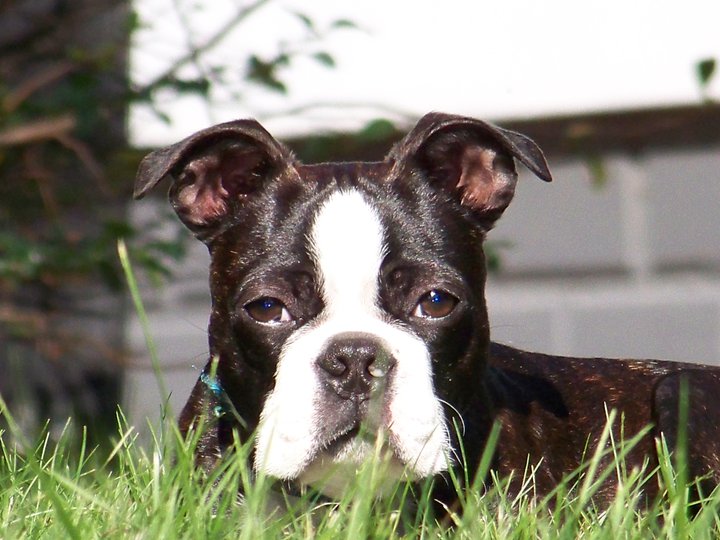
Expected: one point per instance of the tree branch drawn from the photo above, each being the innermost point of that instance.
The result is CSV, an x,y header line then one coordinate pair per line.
x,y
214,40
46,77
40,130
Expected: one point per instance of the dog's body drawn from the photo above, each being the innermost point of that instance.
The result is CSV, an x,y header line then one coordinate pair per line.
x,y
349,314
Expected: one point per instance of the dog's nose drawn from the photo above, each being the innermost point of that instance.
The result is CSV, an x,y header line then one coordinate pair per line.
x,y
353,364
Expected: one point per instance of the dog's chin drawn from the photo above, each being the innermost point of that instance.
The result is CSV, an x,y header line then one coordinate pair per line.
x,y
341,460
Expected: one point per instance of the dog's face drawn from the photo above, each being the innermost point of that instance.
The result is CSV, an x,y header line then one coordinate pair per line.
x,y
348,307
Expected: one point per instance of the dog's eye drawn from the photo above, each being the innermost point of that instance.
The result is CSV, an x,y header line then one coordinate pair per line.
x,y
268,310
435,304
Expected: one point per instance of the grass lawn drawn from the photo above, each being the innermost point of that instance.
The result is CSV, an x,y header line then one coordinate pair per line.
x,y
63,490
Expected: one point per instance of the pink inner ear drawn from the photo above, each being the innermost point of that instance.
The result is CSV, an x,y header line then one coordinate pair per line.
x,y
210,182
200,203
203,197
486,186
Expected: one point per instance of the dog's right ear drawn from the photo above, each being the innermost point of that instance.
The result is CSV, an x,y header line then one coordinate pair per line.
x,y
214,171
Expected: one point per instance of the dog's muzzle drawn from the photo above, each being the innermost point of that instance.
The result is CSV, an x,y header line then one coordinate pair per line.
x,y
353,372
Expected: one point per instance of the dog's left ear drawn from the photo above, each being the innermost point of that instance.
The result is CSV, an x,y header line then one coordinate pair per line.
x,y
469,158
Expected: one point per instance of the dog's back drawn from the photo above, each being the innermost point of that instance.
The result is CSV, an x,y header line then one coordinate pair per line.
x,y
554,409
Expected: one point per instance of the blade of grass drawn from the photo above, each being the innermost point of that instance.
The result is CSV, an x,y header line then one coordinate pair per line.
x,y
144,323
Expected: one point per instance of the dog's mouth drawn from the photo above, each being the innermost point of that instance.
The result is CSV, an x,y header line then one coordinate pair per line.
x,y
342,439
339,460
358,432
356,421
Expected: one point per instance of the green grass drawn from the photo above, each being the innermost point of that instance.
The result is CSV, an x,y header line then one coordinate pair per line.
x,y
63,489
59,490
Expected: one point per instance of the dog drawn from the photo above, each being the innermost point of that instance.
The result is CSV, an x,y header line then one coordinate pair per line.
x,y
348,312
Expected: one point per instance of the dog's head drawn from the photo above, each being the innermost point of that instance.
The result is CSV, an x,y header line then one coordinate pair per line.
x,y
348,298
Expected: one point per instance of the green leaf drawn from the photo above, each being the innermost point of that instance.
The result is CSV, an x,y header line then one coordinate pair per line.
x,y
706,70
493,254
343,23
325,59
133,21
377,129
307,21
282,59
263,73
200,86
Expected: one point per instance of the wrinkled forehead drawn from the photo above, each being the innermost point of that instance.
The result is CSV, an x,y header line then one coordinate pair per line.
x,y
346,215
285,226
344,173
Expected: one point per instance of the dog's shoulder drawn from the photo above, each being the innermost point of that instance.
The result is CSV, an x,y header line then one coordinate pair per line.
x,y
562,383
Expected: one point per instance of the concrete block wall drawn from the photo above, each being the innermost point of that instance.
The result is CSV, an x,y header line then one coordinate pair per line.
x,y
630,268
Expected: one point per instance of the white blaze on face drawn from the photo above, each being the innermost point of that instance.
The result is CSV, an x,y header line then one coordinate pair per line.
x,y
348,246
346,242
